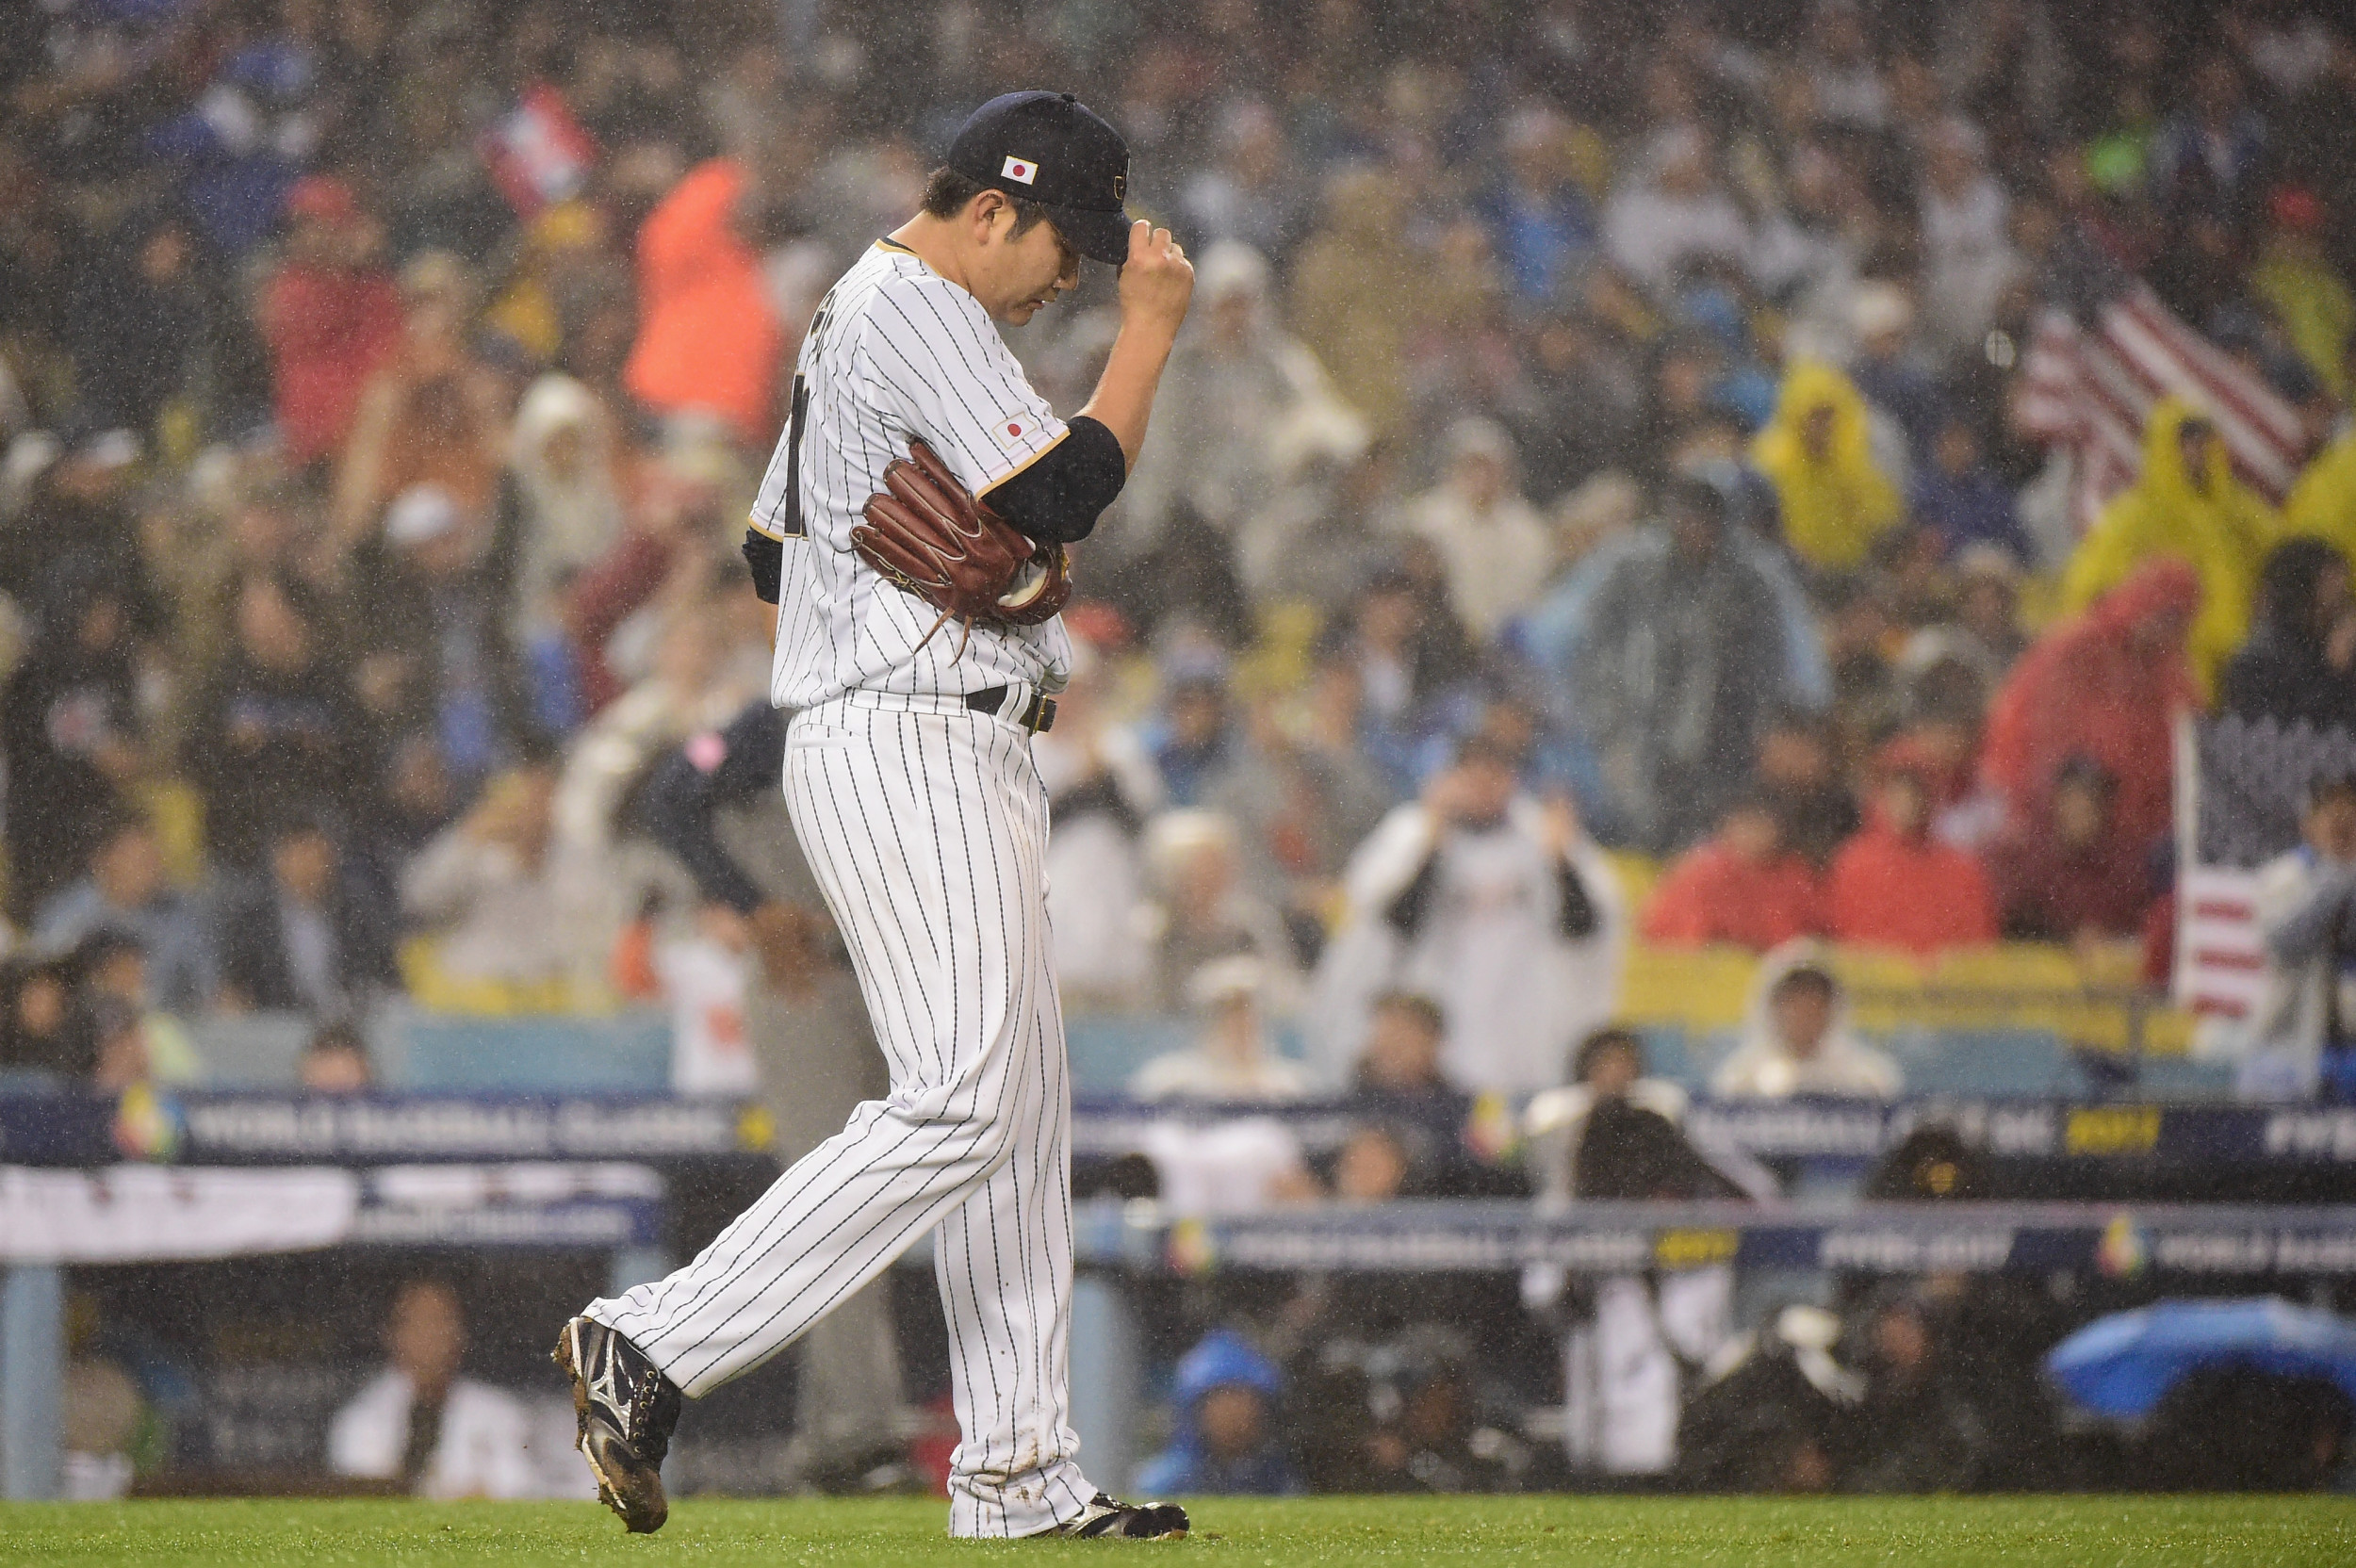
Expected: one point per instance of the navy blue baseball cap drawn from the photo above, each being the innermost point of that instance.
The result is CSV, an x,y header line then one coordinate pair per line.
x,y
1052,149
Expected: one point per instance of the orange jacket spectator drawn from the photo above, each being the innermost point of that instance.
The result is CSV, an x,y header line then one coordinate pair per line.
x,y
707,336
1742,888
1895,886
2106,686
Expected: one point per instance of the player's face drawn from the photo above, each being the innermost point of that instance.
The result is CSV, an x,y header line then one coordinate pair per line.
x,y
1025,271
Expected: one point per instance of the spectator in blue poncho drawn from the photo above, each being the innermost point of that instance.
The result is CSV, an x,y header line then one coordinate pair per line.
x,y
1540,221
1227,1442
1192,738
1958,497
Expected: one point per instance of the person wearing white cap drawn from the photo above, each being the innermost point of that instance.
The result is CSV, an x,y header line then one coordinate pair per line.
x,y
1232,1060
561,453
419,517
1496,549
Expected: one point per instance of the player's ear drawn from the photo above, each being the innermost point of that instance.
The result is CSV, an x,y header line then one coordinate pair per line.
x,y
988,208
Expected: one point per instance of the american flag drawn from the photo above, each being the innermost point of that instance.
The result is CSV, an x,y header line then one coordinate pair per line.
x,y
2241,786
2096,367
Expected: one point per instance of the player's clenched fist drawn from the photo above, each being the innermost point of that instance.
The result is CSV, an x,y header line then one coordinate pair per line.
x,y
1157,280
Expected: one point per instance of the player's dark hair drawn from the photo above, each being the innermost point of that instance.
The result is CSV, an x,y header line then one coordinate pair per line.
x,y
946,192
1807,977
1601,1043
334,1036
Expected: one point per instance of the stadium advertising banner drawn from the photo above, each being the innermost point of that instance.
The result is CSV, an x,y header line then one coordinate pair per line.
x,y
2112,1241
266,1129
130,1213
270,1129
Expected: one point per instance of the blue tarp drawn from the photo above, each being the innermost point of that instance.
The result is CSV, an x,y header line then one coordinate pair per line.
x,y
2123,1364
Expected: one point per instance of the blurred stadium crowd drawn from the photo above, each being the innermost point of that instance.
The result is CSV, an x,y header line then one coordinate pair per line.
x,y
1589,507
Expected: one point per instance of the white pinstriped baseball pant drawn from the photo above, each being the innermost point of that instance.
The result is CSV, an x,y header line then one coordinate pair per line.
x,y
927,830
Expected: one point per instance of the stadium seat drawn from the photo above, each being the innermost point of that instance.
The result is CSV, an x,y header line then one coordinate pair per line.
x,y
2180,1077
250,1050
1692,989
1992,1063
1106,1049
630,1053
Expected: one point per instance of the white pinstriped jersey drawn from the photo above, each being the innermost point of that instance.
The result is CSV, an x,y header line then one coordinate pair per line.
x,y
896,351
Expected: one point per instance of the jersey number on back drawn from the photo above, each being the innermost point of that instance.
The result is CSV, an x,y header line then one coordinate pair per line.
x,y
793,527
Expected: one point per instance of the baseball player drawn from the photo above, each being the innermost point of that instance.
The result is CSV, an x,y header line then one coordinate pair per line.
x,y
920,480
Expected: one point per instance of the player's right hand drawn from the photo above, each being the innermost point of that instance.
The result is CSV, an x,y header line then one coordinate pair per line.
x,y
1157,280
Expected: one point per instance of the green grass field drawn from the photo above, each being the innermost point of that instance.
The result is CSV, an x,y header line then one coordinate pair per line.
x,y
2082,1532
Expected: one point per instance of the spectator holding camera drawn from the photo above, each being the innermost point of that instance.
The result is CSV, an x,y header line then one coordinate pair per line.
x,y
1497,907
2303,1042
486,887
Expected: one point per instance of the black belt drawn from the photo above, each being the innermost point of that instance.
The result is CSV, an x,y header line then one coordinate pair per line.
x,y
1037,715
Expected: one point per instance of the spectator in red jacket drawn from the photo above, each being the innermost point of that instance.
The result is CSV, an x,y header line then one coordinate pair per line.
x,y
1895,886
2069,877
2106,685
707,336
332,316
1742,888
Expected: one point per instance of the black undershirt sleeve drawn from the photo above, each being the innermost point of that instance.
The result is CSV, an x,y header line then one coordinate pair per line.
x,y
680,802
766,557
1579,918
1408,911
1057,499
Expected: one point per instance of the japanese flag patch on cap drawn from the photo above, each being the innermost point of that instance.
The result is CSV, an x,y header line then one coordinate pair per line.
x,y
1019,168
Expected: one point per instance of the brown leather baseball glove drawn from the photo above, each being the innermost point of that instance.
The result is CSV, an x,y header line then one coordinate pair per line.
x,y
926,532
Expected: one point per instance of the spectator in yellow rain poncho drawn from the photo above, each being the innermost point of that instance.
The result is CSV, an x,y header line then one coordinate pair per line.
x,y
2322,504
2185,503
1817,452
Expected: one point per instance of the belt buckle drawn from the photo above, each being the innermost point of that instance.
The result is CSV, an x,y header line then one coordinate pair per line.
x,y
1035,713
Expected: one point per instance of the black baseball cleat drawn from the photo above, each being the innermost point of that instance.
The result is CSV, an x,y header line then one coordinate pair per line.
x,y
625,1409
1108,1518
